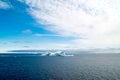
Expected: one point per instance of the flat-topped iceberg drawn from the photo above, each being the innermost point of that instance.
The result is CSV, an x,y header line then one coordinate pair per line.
x,y
58,53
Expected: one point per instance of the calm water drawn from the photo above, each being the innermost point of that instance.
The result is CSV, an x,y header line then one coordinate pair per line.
x,y
79,67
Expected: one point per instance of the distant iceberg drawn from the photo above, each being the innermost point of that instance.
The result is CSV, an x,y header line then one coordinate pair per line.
x,y
58,53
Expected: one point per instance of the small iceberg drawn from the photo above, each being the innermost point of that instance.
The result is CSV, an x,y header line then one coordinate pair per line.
x,y
58,53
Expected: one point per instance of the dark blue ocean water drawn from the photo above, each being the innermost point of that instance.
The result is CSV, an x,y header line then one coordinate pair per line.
x,y
78,67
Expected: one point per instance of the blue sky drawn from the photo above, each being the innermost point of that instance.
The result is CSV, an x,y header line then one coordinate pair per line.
x,y
18,29
49,24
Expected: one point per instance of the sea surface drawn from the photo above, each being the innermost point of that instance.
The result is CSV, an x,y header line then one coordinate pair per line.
x,y
78,67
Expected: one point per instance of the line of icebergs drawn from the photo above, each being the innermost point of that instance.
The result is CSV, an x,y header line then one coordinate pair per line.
x,y
58,53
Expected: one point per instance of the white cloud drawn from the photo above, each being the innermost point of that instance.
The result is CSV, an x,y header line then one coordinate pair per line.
x,y
27,31
38,35
95,20
4,5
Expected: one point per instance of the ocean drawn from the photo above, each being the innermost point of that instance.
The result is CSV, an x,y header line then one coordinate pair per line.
x,y
78,67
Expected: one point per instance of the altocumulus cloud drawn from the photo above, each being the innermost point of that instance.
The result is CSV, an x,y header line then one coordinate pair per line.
x,y
97,21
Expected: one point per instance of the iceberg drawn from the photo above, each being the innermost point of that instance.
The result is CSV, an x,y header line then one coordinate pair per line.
x,y
58,53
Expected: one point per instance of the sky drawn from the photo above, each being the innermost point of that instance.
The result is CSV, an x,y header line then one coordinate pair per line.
x,y
59,24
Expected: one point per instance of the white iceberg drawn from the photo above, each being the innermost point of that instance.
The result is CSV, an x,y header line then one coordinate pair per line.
x,y
58,53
